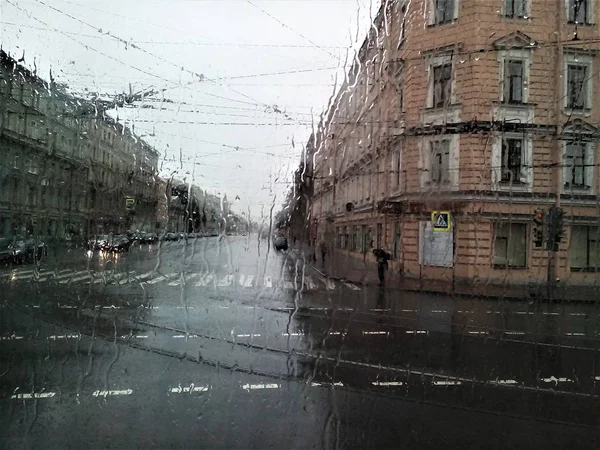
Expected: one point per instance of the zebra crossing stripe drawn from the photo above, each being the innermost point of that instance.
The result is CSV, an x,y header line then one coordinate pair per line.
x,y
226,281
268,282
160,278
74,280
310,284
248,281
205,279
185,280
69,275
351,286
288,285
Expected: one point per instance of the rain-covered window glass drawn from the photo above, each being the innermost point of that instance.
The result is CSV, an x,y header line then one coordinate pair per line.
x,y
440,160
510,244
444,11
579,11
512,161
513,81
514,8
577,86
396,242
575,165
442,85
584,248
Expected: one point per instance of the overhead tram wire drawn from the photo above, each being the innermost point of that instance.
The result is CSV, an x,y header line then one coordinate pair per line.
x,y
200,77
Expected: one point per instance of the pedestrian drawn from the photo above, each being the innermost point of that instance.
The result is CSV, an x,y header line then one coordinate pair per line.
x,y
382,263
323,247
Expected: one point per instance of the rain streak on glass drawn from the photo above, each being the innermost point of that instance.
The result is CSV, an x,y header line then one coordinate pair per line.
x,y
291,224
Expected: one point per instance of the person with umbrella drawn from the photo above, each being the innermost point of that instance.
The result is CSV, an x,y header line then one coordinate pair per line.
x,y
382,263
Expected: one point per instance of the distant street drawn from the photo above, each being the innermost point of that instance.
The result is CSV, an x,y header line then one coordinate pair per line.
x,y
197,336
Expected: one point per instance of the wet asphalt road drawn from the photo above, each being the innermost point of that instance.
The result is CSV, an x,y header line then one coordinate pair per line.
x,y
226,343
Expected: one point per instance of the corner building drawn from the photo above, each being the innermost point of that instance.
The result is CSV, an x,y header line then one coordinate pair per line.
x,y
487,109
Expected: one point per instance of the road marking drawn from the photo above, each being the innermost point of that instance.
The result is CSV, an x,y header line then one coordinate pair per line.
x,y
577,314
439,311
66,277
515,333
205,279
505,382
292,334
409,310
351,286
597,378
113,393
11,338
387,383
309,283
478,332
227,280
268,282
160,278
447,383
550,313
380,309
185,280
247,335
374,332
417,332
574,334
144,275
33,395
181,336
553,379
336,333
248,281
188,389
63,336
524,313
81,278
249,387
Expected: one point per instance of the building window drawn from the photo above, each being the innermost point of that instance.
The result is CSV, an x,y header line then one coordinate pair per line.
x,y
577,86
442,85
444,11
579,11
514,8
510,245
16,163
440,162
513,81
576,165
513,161
584,249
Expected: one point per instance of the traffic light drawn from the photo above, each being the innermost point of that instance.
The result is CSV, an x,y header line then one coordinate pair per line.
x,y
538,227
555,228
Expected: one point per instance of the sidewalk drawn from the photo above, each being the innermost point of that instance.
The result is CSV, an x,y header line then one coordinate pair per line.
x,y
362,270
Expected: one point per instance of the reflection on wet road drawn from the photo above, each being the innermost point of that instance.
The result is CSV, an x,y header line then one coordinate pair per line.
x,y
227,305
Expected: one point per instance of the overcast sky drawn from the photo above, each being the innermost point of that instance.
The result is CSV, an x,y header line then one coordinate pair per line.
x,y
240,81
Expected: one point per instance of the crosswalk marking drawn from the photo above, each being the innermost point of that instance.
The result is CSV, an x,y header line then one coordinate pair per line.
x,y
268,282
70,276
76,279
246,281
310,284
185,280
160,278
227,280
205,279
351,286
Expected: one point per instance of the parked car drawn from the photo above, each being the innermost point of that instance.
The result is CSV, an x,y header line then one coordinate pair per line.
x,y
171,237
99,242
150,238
280,243
20,249
119,243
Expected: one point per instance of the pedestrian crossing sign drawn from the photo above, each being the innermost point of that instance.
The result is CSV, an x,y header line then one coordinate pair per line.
x,y
440,221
